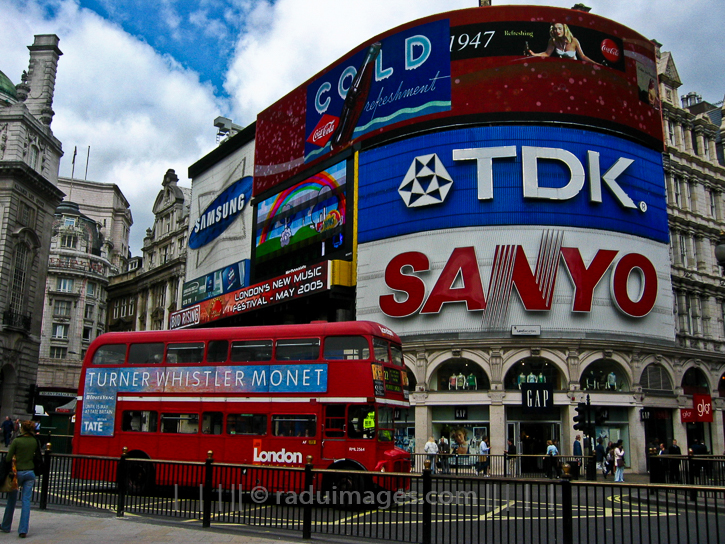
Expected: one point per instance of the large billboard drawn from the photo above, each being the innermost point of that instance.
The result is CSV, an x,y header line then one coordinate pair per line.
x,y
220,218
550,230
480,65
511,175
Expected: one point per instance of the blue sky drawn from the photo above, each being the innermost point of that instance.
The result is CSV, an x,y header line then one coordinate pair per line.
x,y
141,81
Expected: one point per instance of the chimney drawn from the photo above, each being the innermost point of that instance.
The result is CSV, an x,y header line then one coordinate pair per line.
x,y
42,69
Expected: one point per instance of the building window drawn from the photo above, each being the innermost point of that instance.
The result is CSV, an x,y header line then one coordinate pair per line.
x,y
57,352
68,241
124,307
27,215
65,285
33,157
17,291
672,133
694,250
713,204
87,334
89,311
683,249
131,305
678,199
182,241
91,289
116,308
62,308
60,331
165,254
70,222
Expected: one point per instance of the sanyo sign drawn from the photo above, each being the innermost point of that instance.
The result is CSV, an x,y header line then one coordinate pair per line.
x,y
530,157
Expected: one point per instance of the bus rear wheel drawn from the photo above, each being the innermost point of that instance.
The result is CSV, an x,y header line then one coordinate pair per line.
x,y
140,477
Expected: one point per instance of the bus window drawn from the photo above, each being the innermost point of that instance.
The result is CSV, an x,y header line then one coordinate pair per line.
x,y
252,350
298,349
397,354
294,425
212,422
111,354
335,420
146,354
385,424
217,350
247,424
141,421
346,348
381,350
180,423
189,352
361,421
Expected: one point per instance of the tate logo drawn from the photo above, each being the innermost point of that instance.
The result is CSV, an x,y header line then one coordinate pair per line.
x,y
426,183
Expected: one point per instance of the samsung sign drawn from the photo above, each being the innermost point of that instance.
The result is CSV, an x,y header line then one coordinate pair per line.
x,y
221,213
512,175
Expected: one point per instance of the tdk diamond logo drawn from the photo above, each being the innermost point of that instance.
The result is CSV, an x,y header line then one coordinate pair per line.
x,y
427,182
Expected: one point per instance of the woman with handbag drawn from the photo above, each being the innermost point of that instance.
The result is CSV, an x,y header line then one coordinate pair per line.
x,y
619,462
24,448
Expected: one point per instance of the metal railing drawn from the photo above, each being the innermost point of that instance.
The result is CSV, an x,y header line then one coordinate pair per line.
x,y
687,469
420,508
518,466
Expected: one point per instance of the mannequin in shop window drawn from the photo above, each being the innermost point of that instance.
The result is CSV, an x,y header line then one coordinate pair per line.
x,y
612,381
521,379
532,377
542,378
591,381
452,381
461,381
472,383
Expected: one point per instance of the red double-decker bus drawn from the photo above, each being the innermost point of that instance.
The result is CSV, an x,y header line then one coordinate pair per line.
x,y
253,395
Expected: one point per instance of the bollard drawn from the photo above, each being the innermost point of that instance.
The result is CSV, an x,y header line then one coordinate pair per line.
x,y
45,484
209,469
427,510
121,483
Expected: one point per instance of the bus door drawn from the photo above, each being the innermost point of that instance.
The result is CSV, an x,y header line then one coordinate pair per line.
x,y
333,434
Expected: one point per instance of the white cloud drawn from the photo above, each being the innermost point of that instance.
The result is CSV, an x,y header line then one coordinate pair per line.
x,y
141,113
290,41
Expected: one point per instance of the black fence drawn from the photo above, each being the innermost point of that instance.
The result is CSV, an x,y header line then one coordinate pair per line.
x,y
421,508
519,466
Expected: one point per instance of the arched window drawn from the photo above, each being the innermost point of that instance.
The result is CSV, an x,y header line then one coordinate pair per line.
x,y
694,382
604,375
655,379
721,386
459,375
532,369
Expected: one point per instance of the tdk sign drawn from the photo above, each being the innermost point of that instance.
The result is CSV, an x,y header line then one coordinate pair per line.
x,y
512,175
530,173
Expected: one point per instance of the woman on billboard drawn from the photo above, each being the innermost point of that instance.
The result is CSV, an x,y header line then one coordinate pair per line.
x,y
562,44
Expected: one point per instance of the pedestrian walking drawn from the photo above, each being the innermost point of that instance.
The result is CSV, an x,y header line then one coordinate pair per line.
x,y
431,448
619,462
8,428
23,448
444,451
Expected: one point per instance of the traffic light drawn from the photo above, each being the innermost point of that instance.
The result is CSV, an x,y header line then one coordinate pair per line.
x,y
580,419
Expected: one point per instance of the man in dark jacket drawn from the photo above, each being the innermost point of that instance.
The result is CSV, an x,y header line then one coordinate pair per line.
x,y
674,463
8,427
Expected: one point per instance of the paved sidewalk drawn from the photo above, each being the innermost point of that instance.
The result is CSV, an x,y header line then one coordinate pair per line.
x,y
72,527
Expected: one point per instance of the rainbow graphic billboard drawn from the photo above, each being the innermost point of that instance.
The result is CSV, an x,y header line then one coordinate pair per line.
x,y
311,211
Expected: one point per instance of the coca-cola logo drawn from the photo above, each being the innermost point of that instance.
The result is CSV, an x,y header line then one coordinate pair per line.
x,y
324,130
610,50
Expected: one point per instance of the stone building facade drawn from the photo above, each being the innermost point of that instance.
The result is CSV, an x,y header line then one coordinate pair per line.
x,y
29,194
142,297
89,244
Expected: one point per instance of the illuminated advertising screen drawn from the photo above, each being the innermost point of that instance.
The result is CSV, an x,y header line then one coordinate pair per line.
x,y
310,214
511,175
227,279
502,63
